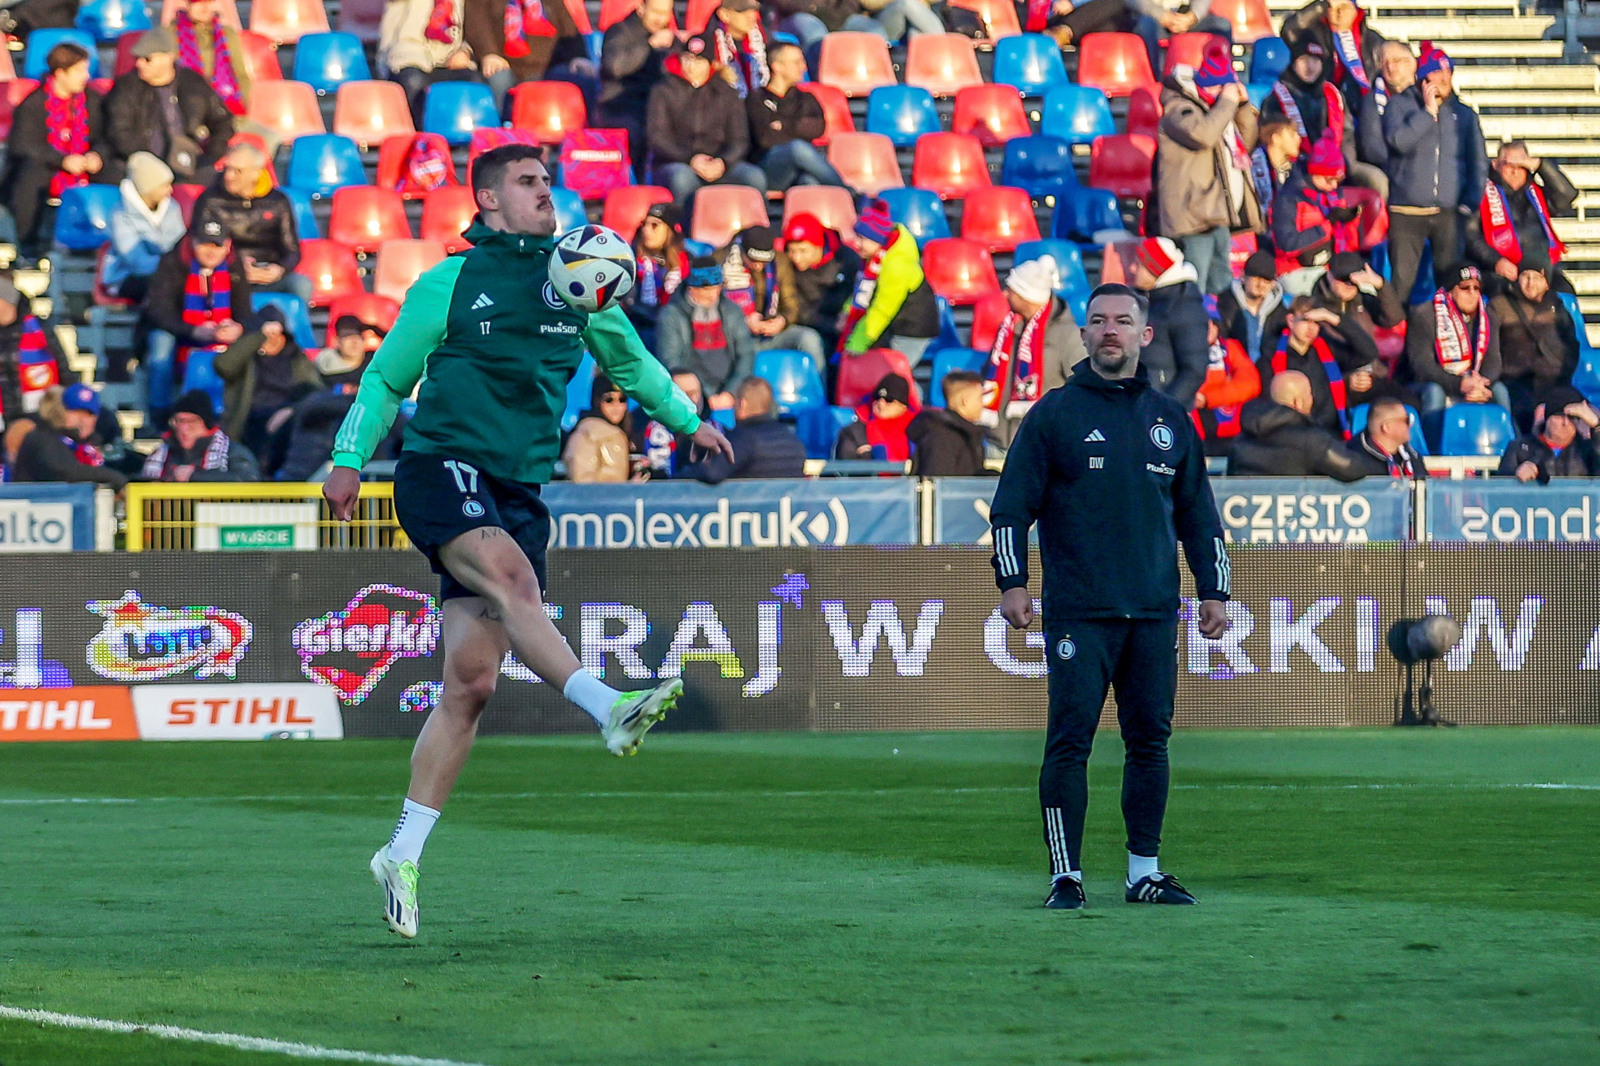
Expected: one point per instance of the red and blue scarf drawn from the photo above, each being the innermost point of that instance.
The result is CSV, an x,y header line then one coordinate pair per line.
x,y
1018,343
207,300
524,19
1330,367
221,75
36,366
442,23
1502,235
67,131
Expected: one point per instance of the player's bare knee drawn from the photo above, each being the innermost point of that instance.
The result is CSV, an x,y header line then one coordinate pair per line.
x,y
468,691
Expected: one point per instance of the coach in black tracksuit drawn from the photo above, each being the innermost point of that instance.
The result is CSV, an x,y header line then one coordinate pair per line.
x,y
1112,471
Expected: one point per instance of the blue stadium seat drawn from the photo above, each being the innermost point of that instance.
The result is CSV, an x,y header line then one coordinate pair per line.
x,y
41,41
106,20
725,418
1269,57
796,385
83,222
901,113
920,211
326,61
1029,62
1082,212
295,313
1257,91
948,359
1586,378
1074,286
1476,429
319,163
200,372
569,209
305,218
453,109
949,336
1419,441
578,393
1077,114
593,43
1041,164
819,427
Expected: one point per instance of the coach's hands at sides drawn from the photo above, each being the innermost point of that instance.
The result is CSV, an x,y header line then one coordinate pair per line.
x,y
341,490
1016,607
1213,619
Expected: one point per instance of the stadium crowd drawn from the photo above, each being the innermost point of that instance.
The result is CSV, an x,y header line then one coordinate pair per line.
x,y
1327,268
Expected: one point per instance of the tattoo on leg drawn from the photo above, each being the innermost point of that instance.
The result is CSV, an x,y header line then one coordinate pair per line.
x,y
489,612
490,532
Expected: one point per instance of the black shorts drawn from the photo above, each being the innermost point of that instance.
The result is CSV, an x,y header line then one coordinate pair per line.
x,y
437,499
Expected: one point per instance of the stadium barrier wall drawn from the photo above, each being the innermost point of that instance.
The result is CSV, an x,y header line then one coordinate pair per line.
x,y
836,639
47,518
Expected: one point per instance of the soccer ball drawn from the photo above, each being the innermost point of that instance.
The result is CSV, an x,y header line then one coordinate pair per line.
x,y
592,268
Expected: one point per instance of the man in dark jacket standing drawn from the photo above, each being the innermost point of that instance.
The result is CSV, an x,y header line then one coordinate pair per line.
x,y
765,447
1175,353
171,112
631,60
259,219
1513,221
1437,169
1278,439
698,131
825,272
784,120
1114,475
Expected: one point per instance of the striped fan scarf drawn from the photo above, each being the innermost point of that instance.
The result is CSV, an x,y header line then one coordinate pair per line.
x,y
221,76
747,59
1330,367
215,458
1453,344
36,367
1026,352
524,19
207,298
442,25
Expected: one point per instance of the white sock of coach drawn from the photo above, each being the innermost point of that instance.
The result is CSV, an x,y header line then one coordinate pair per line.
x,y
1140,867
411,833
592,694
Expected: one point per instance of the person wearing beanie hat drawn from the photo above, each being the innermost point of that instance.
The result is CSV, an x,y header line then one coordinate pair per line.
x,y
140,100
1538,339
1362,304
1204,190
663,262
1251,309
825,270
1561,443
882,421
265,373
1311,220
1035,346
57,142
762,283
784,120
1305,98
61,444
893,306
146,224
317,417
199,298
195,449
1231,381
702,330
1513,224
1453,344
1175,357
698,133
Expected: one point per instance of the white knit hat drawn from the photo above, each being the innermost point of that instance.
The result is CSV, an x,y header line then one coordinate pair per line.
x,y
1036,280
147,172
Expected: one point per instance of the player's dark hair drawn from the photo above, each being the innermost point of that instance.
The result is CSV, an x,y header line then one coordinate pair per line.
x,y
489,169
1113,288
65,55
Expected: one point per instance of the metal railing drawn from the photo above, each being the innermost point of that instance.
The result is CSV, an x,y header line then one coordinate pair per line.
x,y
162,516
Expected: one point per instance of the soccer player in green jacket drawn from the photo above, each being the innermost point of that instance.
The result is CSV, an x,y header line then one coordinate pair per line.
x,y
494,348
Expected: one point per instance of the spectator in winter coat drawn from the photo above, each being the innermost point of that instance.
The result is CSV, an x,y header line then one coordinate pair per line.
x,y
698,131
597,451
882,422
762,283
530,40
195,449
702,330
1538,340
1035,347
763,447
423,42
145,226
1252,308
1303,96
1562,443
1278,438
1383,447
166,110
259,219
199,298
1398,73
1362,304
265,373
1176,356
893,306
667,453
784,120
1203,184
61,447
58,140
1437,170
1232,380
663,262
1513,220
214,50
1302,348
1453,345
31,360
1349,44
631,59
317,418
825,272
1272,162
948,441
1311,221
741,45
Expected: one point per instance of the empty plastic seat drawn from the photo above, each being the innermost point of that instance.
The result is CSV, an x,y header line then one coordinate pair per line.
x,y
364,18
1269,58
1030,63
1073,282
548,109
289,109
959,270
1121,164
1114,63
83,222
819,428
795,380
833,206
124,61
999,17
185,195
453,109
1077,114
106,20
720,211
1082,213
699,14
323,162
947,359
41,41
369,307
860,374
626,207
326,61
570,213
1040,164
918,210
227,9
200,375
1000,218
988,313
1191,49
364,216
902,113
866,162
1144,112
260,57
1476,429
1250,19
951,164
370,112
400,263
855,63
332,268
992,113
835,111
296,316
305,215
942,63
446,213
286,21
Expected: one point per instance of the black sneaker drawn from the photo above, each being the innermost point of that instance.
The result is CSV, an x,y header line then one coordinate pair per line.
x,y
1159,888
1066,894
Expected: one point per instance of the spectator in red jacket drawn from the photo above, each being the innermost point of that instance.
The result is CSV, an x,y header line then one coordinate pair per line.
x,y
880,431
1231,381
1311,220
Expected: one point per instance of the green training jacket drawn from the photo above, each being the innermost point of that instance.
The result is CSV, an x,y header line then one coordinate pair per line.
x,y
494,348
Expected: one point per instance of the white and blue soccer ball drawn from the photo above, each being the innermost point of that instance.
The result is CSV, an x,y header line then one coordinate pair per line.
x,y
592,268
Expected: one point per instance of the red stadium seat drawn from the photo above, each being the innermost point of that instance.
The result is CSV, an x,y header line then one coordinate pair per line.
x,y
699,16
1240,249
185,196
287,108
580,15
866,162
332,268
1121,164
16,90
1191,49
959,270
860,374
1144,112
987,315
261,57
999,218
400,263
833,206
835,111
1373,222
942,63
286,21
125,45
446,212
625,208
1114,63
720,211
101,85
855,63
992,113
228,9
370,112
999,17
548,109
369,307
364,216
1250,18
392,157
951,164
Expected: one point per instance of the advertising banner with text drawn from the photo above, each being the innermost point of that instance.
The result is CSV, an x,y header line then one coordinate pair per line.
x,y
1566,511
46,518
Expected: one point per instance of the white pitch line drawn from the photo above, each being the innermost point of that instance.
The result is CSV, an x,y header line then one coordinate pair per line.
x,y
230,1040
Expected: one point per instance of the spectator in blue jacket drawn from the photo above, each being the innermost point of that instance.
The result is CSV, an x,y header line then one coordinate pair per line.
x,y
145,226
763,446
1437,169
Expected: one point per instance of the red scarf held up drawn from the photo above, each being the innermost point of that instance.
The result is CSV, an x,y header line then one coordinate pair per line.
x,y
1502,235
1330,368
1453,344
67,131
221,76
442,26
1025,353
524,19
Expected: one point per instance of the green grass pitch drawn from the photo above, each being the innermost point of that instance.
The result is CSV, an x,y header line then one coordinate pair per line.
x,y
1367,897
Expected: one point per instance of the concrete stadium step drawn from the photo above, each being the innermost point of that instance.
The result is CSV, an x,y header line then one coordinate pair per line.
x,y
1566,152
1541,127
1450,32
1401,7
1501,100
1577,231
1586,284
1583,76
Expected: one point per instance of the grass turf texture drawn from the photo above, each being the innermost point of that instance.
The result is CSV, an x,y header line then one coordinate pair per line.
x,y
812,899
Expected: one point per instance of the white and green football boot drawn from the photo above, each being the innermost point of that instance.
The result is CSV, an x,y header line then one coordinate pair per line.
x,y
634,713
399,883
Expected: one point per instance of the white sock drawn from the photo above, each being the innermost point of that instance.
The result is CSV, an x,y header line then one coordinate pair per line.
x,y
1076,875
592,694
416,822
1140,867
